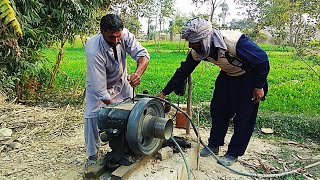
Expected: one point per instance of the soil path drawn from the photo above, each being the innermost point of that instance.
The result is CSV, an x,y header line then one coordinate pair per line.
x,y
50,145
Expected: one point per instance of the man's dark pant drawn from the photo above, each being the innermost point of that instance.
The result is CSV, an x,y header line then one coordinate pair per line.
x,y
232,99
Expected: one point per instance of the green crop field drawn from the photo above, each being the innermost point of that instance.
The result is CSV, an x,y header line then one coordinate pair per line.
x,y
293,102
294,87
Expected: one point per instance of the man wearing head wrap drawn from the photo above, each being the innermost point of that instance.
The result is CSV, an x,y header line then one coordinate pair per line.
x,y
239,87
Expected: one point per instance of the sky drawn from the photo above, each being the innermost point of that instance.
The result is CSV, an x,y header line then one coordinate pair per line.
x,y
186,7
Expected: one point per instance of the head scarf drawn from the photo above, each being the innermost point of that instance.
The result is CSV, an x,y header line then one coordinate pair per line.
x,y
200,30
196,29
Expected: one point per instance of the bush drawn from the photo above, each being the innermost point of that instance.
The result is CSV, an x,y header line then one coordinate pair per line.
x,y
7,84
296,127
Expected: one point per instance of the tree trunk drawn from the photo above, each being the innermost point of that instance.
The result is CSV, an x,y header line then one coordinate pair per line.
x,y
83,41
179,47
57,65
214,5
158,46
291,33
155,38
148,31
212,11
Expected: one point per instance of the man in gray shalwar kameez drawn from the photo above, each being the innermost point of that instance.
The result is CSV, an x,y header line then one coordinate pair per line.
x,y
107,79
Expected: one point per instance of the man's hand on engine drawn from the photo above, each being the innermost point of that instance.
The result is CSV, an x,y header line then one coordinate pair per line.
x,y
134,79
161,95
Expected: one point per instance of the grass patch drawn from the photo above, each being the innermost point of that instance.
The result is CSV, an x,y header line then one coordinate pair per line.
x,y
294,88
291,109
296,127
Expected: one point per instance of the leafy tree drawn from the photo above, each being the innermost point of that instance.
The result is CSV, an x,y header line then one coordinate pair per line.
x,y
251,8
242,24
129,10
176,24
150,12
291,22
68,18
151,29
165,11
214,4
224,12
10,32
157,11
43,23
8,17
288,20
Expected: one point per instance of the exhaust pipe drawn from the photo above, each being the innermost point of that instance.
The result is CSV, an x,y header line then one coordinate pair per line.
x,y
157,127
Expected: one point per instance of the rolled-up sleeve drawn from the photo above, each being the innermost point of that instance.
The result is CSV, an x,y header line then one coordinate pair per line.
x,y
96,76
133,47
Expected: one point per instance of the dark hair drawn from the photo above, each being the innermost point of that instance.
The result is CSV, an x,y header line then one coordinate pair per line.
x,y
111,23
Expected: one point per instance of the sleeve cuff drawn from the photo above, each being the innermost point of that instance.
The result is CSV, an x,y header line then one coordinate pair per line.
x,y
105,97
166,91
260,85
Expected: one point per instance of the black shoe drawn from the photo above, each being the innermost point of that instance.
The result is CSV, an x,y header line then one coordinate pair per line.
x,y
205,152
228,160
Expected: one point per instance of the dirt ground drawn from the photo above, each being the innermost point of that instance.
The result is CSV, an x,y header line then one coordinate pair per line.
x,y
47,143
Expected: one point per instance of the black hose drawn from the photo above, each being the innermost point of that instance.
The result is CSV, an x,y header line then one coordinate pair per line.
x,y
215,156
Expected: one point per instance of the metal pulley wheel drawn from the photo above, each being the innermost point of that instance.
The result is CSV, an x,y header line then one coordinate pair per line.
x,y
147,128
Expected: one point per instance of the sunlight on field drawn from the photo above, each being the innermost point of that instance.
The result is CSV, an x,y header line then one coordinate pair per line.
x,y
293,87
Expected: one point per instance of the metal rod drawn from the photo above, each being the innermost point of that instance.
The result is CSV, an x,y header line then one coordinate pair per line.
x,y
198,139
133,95
189,103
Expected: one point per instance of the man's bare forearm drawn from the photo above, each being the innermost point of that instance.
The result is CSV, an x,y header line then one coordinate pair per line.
x,y
143,63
